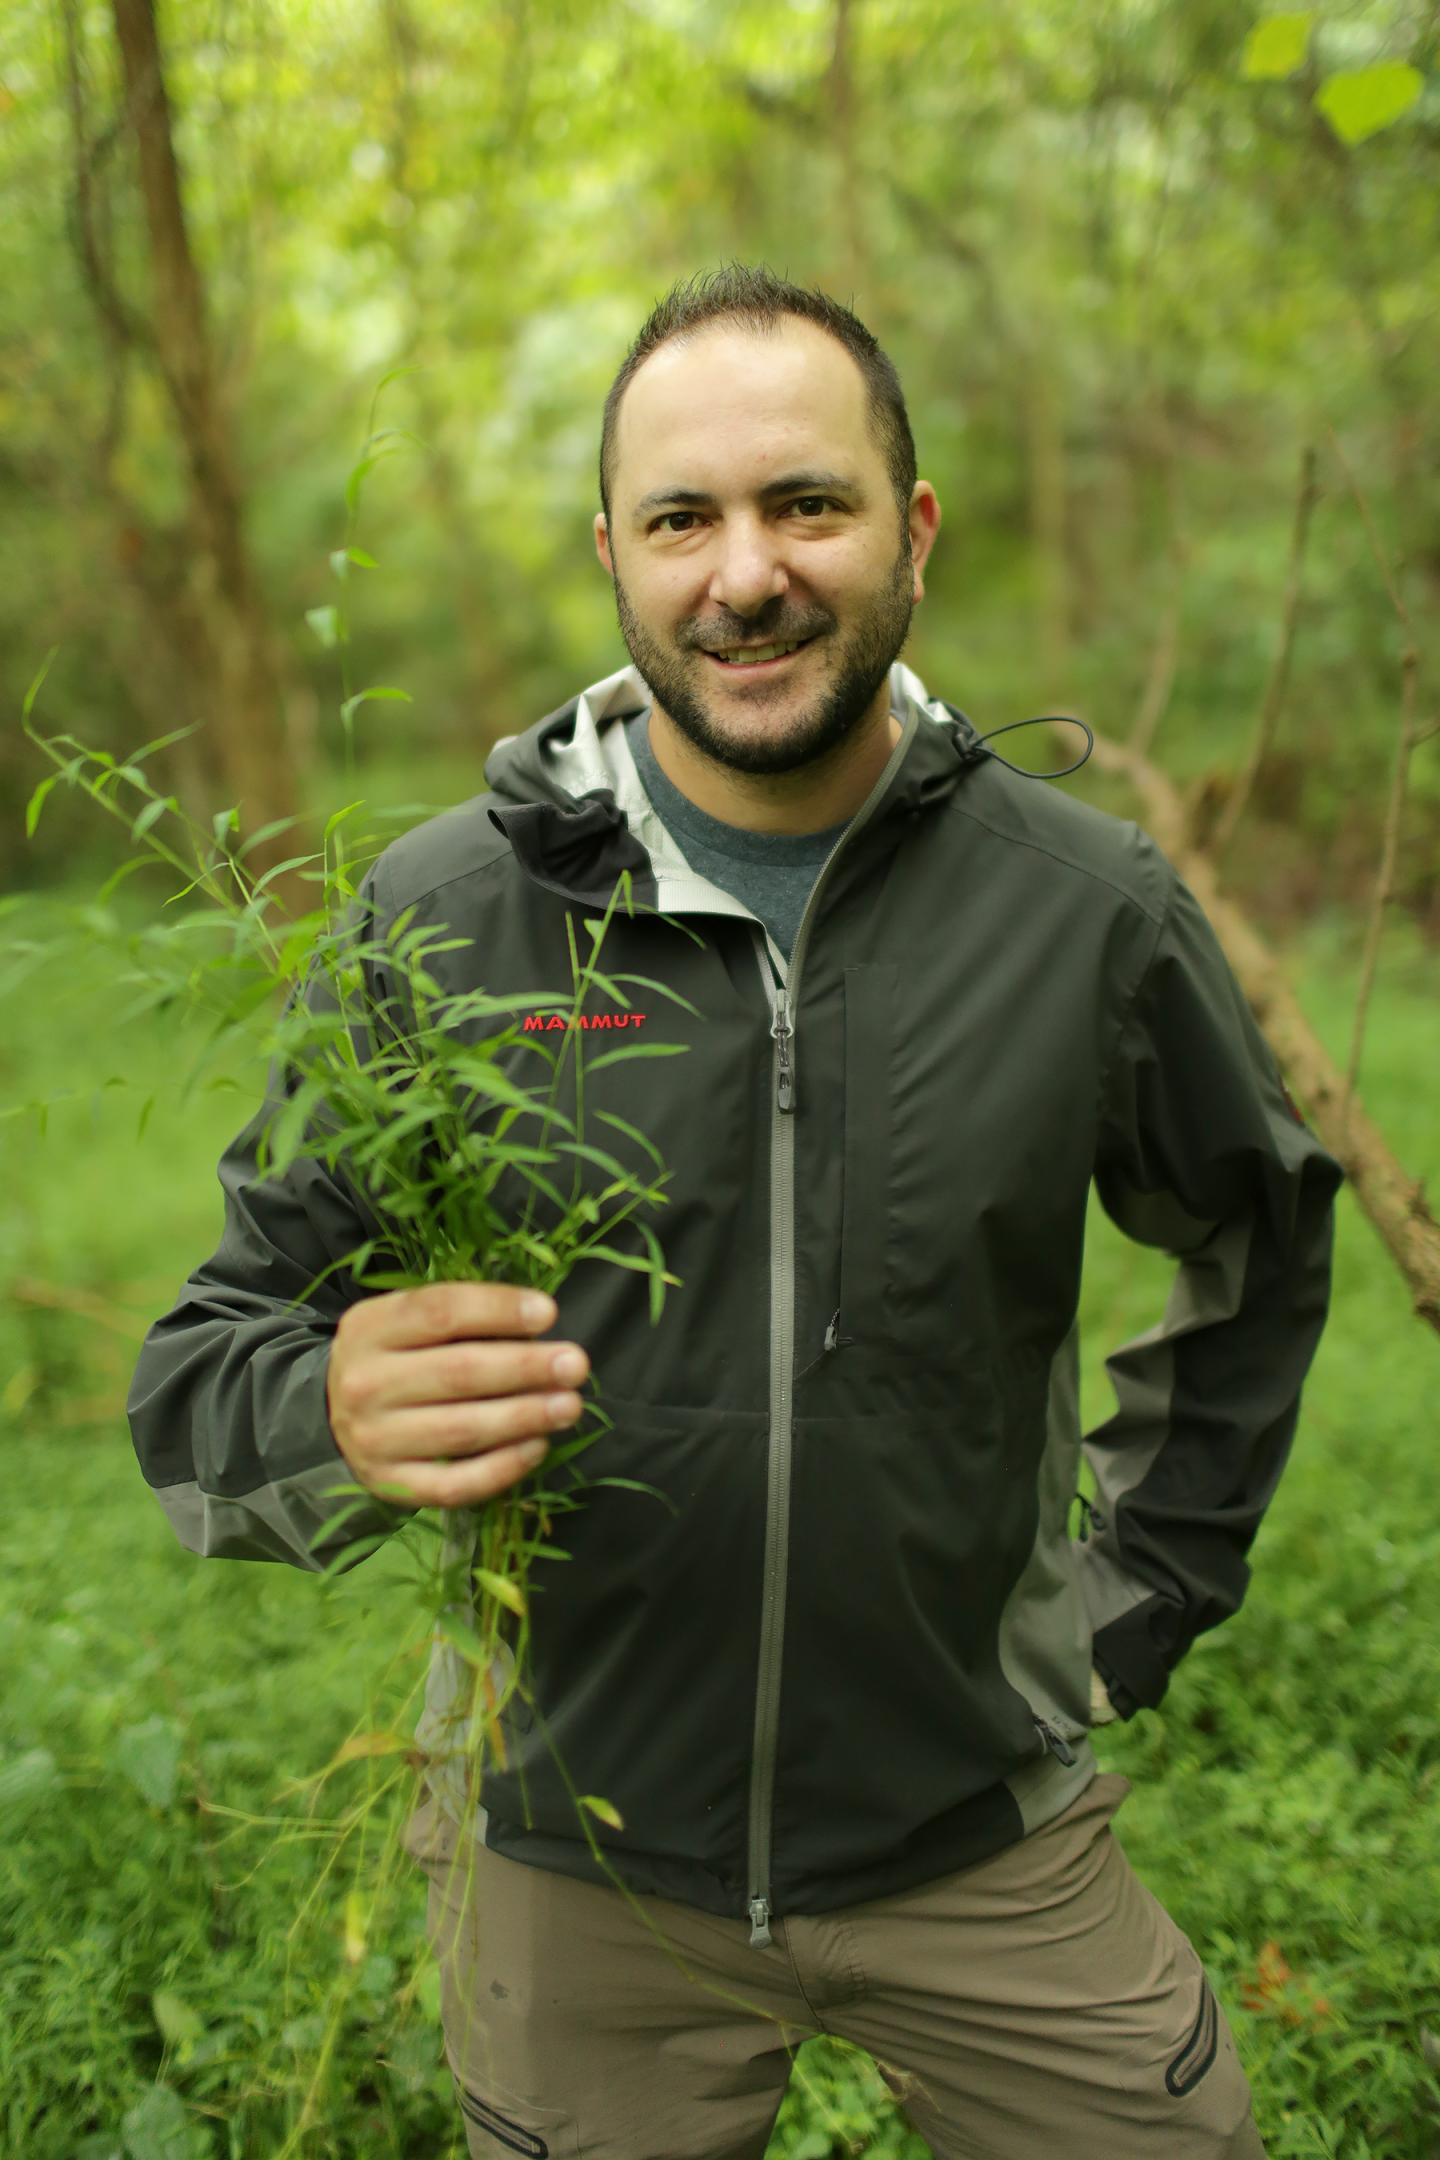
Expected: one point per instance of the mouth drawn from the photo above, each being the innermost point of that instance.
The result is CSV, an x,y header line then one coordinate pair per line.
x,y
746,662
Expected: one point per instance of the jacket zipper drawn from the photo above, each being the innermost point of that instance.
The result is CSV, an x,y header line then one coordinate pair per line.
x,y
1054,1742
783,999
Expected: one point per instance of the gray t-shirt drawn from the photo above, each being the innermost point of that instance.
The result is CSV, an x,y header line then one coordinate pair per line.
x,y
773,873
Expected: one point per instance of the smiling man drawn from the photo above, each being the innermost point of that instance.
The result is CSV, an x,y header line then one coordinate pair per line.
x,y
822,1638
764,591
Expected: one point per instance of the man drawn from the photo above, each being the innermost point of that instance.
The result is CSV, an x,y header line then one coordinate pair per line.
x,y
838,1686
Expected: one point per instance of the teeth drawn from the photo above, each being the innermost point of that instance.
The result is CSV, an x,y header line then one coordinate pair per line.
x,y
747,655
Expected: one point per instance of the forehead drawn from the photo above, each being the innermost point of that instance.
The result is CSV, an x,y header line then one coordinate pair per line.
x,y
724,407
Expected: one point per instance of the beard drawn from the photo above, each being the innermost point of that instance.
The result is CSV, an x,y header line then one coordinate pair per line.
x,y
675,673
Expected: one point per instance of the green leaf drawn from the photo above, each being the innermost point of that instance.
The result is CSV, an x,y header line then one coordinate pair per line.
x,y
327,625
34,690
151,815
605,1810
1276,47
26,1781
224,821
358,555
502,1589
158,2128
380,690
635,1050
338,817
1361,101
37,803
149,1756
179,2023
465,1639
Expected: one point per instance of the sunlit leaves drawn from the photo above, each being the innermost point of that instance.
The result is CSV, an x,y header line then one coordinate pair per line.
x,y
1359,102
1276,46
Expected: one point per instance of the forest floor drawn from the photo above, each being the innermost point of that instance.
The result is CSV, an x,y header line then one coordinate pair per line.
x,y
205,1955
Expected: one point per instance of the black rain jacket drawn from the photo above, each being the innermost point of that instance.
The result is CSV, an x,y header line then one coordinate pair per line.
x,y
853,1650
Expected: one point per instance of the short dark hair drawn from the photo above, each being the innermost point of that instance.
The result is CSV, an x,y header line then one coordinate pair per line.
x,y
757,299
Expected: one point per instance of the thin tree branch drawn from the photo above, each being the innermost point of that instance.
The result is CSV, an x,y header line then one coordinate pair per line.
x,y
1394,1201
1273,702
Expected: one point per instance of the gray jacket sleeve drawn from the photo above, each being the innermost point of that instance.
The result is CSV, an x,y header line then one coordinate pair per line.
x,y
1203,1154
227,1406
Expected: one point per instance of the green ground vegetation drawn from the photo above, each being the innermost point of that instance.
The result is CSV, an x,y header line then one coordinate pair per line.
x,y
209,1954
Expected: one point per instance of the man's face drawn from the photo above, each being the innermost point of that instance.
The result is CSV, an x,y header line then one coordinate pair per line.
x,y
752,508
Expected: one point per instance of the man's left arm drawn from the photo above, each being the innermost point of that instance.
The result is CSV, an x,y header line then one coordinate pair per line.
x,y
1203,1154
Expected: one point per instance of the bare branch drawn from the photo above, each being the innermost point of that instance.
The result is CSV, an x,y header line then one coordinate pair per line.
x,y
1394,1201
1272,704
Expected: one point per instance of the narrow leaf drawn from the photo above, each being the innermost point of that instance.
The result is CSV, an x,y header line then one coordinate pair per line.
x,y
502,1589
37,803
364,697
635,1050
604,1810
34,690
151,815
361,1746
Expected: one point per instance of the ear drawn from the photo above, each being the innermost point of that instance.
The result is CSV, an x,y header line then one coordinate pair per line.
x,y
924,525
602,542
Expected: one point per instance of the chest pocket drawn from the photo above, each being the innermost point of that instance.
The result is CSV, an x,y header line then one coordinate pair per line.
x,y
870,1002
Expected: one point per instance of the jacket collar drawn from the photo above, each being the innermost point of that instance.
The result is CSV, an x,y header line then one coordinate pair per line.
x,y
571,803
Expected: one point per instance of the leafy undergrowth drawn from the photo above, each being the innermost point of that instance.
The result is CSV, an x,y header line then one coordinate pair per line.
x,y
195,1967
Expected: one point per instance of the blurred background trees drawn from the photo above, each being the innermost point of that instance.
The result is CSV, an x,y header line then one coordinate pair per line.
x,y
1134,261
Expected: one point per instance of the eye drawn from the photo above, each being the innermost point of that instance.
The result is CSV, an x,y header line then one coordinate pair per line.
x,y
665,521
812,506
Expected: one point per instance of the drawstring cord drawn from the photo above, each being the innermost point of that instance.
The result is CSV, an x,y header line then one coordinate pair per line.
x,y
976,749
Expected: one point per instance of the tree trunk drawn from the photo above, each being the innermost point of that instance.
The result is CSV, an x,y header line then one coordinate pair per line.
x,y
250,742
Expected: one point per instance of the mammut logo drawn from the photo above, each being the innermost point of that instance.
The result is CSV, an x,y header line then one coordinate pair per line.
x,y
542,1023
510,2134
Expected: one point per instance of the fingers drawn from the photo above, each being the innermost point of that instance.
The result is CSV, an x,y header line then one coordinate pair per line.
x,y
471,1428
462,1372
450,1312
466,1483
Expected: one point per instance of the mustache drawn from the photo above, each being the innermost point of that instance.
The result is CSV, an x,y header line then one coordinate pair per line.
x,y
717,637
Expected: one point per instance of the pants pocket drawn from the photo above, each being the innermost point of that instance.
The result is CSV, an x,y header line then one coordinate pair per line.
x,y
1195,2057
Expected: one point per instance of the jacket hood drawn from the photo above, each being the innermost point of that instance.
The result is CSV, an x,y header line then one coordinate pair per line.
x,y
571,803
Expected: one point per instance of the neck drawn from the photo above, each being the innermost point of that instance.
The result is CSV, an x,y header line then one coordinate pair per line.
x,y
810,799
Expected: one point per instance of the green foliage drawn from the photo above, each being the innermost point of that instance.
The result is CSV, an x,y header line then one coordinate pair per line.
x,y
1358,102
1276,46
195,1939
1150,276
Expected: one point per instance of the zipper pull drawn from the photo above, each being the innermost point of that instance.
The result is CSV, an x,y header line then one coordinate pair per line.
x,y
1060,1749
760,1937
832,1338
784,1035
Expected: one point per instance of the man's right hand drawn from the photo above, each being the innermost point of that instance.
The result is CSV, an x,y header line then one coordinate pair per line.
x,y
441,1391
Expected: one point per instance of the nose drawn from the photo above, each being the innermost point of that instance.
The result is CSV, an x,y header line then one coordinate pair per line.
x,y
748,570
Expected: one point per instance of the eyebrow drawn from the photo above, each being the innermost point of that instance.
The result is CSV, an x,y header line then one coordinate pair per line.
x,y
794,483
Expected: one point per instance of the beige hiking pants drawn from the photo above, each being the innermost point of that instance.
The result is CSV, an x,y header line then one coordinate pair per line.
x,y
1041,2005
